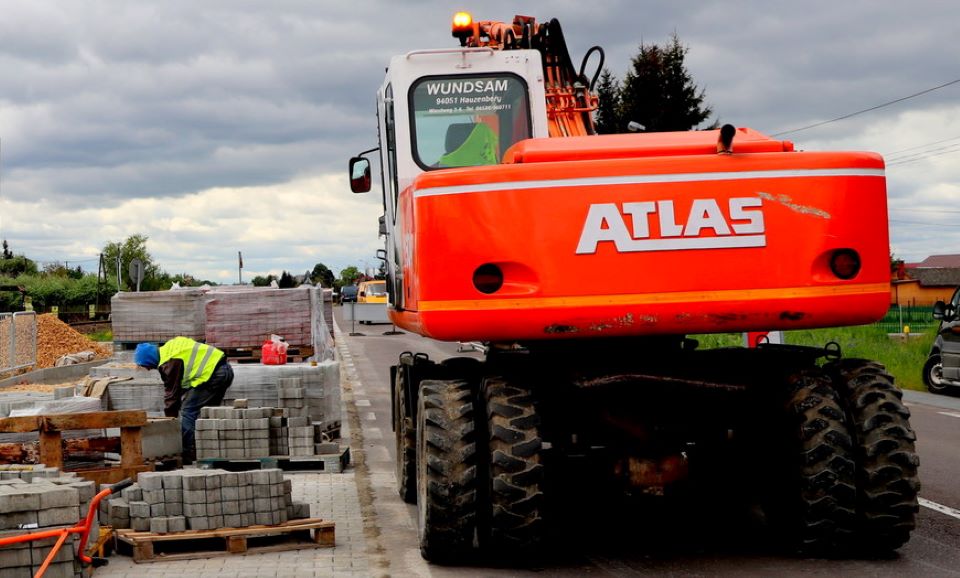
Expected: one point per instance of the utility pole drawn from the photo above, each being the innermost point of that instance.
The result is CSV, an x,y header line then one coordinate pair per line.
x,y
240,268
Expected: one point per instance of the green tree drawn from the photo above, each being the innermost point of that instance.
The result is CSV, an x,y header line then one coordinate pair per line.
x,y
659,93
286,281
7,253
349,275
608,111
133,247
323,275
17,265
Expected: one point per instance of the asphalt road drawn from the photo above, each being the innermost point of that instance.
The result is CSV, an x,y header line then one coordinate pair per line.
x,y
592,537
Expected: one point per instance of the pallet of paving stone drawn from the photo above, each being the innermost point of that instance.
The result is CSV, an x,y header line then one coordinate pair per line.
x,y
198,544
334,463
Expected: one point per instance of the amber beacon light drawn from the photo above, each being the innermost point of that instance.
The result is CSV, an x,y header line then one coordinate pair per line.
x,y
462,26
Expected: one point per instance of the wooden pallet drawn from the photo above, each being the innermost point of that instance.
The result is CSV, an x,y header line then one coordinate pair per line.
x,y
255,354
334,463
199,544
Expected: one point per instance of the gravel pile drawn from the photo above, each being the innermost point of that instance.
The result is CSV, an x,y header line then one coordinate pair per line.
x,y
55,339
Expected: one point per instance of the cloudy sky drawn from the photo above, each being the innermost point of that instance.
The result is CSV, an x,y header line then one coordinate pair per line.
x,y
219,126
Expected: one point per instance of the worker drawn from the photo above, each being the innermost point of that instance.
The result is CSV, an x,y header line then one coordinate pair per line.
x,y
470,145
194,374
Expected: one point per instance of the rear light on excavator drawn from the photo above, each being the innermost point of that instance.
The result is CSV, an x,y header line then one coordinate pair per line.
x,y
845,263
488,278
462,27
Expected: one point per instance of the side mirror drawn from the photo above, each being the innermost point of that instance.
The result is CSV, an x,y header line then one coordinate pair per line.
x,y
382,254
383,225
943,312
359,175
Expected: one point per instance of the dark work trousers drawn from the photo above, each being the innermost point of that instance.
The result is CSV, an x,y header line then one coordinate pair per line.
x,y
206,394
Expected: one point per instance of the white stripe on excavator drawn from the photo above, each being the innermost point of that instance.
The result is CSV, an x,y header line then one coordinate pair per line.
x,y
647,179
949,413
940,508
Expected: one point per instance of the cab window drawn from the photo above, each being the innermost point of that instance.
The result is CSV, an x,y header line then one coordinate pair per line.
x,y
467,120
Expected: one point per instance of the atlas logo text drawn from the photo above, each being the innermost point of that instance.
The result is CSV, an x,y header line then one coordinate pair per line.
x,y
658,226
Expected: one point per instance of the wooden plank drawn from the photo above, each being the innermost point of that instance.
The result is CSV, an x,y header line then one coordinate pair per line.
x,y
51,449
112,475
204,554
291,526
131,448
69,421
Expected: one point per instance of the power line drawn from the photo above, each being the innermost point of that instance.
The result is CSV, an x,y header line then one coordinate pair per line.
x,y
894,153
920,157
891,209
872,108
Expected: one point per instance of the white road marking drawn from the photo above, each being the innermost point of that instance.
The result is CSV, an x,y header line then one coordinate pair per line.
x,y
940,508
362,402
950,413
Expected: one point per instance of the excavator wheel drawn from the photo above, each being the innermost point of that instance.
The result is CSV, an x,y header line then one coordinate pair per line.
x,y
820,505
406,438
886,459
446,469
515,472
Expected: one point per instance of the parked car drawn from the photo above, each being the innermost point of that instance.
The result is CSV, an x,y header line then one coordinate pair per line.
x,y
348,294
941,372
373,292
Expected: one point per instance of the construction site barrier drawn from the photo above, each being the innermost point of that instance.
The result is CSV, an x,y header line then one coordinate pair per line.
x,y
18,341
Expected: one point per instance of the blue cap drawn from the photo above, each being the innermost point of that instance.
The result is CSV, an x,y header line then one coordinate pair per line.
x,y
147,355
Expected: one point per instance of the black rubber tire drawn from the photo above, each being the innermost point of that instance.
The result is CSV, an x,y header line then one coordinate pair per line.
x,y
405,435
887,461
446,469
932,375
821,500
514,491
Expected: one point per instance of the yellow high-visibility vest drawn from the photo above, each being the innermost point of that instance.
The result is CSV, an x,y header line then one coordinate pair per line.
x,y
199,359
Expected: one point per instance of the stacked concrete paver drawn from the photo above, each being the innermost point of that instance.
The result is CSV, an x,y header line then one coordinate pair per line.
x,y
34,499
167,502
226,432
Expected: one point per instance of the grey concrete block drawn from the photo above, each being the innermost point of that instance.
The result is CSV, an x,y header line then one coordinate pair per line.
x,y
158,510
140,524
176,524
213,482
10,559
139,510
230,493
159,525
216,522
263,518
230,507
214,509
194,510
19,501
261,504
327,448
172,496
232,521
214,495
198,522
59,497
240,404
194,481
153,496
172,481
261,491
247,519
174,508
298,421
194,496
86,489
150,480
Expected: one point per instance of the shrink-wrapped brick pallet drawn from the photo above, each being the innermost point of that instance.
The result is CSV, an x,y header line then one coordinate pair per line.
x,y
158,316
239,319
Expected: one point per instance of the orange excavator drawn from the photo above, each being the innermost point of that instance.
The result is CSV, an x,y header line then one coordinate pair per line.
x,y
583,263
